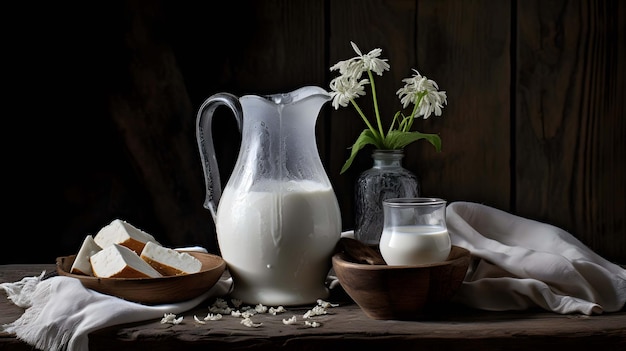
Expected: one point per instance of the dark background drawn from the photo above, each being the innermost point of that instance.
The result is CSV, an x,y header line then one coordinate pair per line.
x,y
101,97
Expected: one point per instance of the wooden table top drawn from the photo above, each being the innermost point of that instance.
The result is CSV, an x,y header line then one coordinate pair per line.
x,y
346,326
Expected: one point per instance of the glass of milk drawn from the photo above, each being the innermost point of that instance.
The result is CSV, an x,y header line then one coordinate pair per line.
x,y
414,231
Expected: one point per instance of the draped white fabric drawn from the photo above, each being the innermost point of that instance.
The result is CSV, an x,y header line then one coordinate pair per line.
x,y
60,312
522,263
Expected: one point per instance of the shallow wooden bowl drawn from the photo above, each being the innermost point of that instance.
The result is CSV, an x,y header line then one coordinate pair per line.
x,y
152,291
401,292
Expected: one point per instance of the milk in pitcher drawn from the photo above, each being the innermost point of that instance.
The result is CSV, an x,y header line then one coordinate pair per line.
x,y
287,263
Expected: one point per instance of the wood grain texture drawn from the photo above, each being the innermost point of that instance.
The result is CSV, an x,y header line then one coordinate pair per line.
x,y
570,149
401,292
153,291
153,113
465,48
534,122
347,326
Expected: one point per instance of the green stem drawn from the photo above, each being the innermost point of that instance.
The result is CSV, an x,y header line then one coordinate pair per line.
x,y
378,120
367,122
420,96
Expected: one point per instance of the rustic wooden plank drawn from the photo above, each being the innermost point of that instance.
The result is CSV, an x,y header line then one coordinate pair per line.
x,y
464,46
153,113
267,47
283,49
128,96
157,117
78,168
570,127
455,327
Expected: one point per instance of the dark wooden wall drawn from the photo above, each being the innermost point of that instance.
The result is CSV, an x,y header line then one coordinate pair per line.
x,y
101,97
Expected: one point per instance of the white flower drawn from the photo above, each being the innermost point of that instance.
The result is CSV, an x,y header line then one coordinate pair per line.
x,y
260,308
220,302
420,91
217,309
220,306
312,324
248,313
356,66
195,318
249,323
348,68
212,317
275,310
291,320
326,304
171,318
315,311
432,99
236,313
371,62
344,89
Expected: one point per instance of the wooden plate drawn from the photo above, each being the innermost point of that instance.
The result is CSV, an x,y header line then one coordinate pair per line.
x,y
152,291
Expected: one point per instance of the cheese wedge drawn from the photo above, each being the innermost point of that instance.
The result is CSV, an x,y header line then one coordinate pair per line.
x,y
168,261
118,261
123,233
81,263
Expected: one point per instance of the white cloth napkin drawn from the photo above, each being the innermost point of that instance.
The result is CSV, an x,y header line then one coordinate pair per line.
x,y
521,263
60,312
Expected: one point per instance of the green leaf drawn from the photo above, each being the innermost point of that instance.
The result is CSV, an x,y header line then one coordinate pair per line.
x,y
397,140
366,138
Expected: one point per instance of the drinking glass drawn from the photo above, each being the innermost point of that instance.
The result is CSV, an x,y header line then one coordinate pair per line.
x,y
414,231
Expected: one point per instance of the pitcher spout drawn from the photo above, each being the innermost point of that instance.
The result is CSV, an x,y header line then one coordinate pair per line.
x,y
295,96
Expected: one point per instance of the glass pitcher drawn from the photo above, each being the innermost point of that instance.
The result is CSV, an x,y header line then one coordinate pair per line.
x,y
277,219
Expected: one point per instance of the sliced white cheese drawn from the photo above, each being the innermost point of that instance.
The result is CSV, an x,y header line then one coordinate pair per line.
x,y
81,264
118,261
123,233
168,261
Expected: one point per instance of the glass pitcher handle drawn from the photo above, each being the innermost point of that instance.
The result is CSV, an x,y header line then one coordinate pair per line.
x,y
204,136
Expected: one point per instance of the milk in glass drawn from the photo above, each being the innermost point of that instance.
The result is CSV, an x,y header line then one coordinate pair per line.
x,y
415,244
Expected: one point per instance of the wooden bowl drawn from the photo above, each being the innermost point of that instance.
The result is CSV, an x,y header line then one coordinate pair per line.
x,y
401,292
152,291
